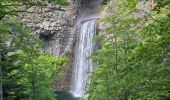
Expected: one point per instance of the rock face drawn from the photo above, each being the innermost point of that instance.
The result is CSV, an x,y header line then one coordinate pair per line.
x,y
52,26
143,7
56,26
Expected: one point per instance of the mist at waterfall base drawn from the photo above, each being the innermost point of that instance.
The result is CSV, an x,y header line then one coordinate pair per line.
x,y
83,65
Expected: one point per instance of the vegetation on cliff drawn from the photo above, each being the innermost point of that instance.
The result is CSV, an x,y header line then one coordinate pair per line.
x,y
133,58
26,71
134,54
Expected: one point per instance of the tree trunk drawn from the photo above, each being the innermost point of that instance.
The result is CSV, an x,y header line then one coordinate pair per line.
x,y
1,91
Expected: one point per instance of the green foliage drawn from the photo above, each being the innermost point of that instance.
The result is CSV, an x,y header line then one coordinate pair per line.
x,y
134,55
61,2
162,3
28,73
82,99
13,7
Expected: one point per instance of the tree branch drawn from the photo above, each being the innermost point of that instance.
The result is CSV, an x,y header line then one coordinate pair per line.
x,y
6,5
20,11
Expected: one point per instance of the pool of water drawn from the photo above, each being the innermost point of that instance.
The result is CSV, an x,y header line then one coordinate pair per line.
x,y
63,95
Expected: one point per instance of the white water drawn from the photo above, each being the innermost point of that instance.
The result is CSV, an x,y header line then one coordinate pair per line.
x,y
83,65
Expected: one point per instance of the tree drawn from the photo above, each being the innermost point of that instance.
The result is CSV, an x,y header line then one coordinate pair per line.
x,y
27,71
22,57
133,55
8,7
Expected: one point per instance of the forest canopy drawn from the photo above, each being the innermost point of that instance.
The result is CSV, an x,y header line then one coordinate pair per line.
x,y
133,58
26,71
134,53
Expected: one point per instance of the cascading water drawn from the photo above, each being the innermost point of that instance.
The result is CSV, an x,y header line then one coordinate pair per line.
x,y
83,65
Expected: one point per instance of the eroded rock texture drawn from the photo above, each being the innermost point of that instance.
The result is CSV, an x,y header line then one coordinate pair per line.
x,y
54,25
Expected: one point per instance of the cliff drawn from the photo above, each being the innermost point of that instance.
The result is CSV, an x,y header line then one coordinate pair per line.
x,y
57,25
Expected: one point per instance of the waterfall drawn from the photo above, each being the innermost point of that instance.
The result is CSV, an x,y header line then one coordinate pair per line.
x,y
83,65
